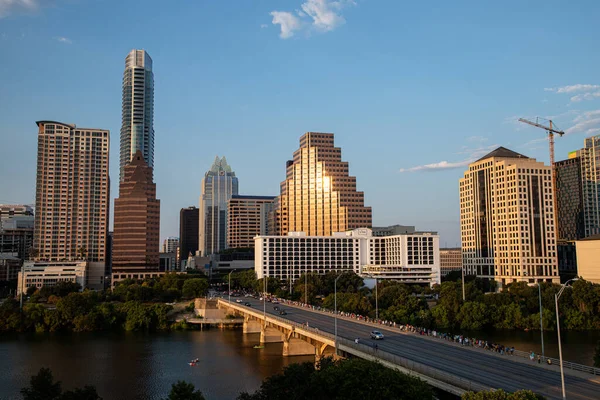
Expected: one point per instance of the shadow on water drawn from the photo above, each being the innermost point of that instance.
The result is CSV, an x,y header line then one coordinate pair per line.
x,y
143,366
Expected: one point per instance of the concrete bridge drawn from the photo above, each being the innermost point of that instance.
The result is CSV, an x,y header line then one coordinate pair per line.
x,y
297,339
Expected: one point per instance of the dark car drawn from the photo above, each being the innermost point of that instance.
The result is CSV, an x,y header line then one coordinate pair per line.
x,y
276,308
248,304
282,312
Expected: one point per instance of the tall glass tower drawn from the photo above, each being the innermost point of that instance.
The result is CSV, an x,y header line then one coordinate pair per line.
x,y
137,129
218,185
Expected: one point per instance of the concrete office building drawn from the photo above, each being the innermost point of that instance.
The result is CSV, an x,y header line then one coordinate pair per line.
x,y
10,265
318,196
507,219
170,245
588,254
72,193
40,273
247,217
218,185
16,235
137,221
450,260
188,233
408,258
137,128
11,210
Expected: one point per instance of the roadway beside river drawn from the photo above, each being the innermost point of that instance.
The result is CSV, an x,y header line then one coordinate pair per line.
x,y
480,366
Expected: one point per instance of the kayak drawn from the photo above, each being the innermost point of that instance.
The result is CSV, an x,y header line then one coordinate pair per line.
x,y
259,347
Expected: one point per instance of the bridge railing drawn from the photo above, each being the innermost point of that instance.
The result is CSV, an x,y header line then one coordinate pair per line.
x,y
555,361
413,366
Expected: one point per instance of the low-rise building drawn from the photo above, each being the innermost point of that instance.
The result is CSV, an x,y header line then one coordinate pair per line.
x,y
40,273
10,265
588,258
409,258
450,260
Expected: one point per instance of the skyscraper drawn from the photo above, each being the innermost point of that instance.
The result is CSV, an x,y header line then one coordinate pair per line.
x,y
247,217
137,129
188,232
72,193
170,244
318,196
569,201
218,185
507,219
137,221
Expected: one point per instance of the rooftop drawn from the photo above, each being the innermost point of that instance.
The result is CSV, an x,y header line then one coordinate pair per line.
x,y
502,152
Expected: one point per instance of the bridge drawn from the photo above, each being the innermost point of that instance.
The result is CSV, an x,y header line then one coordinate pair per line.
x,y
445,365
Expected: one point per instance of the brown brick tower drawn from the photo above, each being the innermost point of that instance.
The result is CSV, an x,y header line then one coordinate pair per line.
x,y
137,220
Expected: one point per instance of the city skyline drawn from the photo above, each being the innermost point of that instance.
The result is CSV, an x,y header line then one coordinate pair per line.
x,y
380,121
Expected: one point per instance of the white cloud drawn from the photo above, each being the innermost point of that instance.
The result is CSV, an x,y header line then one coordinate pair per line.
x,y
263,26
7,7
474,154
320,15
289,23
573,88
585,96
587,123
64,40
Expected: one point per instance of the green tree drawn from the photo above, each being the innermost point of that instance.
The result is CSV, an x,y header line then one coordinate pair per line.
x,y
473,315
42,387
195,287
87,393
184,391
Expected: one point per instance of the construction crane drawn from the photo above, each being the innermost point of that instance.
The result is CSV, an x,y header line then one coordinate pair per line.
x,y
551,131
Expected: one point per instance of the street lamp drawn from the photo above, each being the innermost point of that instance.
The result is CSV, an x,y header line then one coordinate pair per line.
x,y
541,319
562,374
335,311
376,296
229,292
306,286
265,298
462,270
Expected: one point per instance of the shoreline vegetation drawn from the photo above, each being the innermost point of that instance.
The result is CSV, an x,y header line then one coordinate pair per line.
x,y
343,379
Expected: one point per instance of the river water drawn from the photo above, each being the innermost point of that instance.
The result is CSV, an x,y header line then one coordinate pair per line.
x,y
142,366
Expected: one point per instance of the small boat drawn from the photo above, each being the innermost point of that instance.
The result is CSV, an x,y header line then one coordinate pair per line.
x,y
259,346
192,364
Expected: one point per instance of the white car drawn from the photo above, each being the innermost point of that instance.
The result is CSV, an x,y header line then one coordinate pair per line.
x,y
376,335
238,301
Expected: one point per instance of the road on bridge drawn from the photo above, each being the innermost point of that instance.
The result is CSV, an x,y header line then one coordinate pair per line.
x,y
477,365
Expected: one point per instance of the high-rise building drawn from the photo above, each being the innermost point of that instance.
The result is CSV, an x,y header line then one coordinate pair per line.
x,y
319,197
137,221
137,129
218,185
170,245
507,219
72,193
450,260
247,217
569,199
188,232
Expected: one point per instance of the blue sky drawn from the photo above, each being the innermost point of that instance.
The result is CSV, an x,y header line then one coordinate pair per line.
x,y
412,90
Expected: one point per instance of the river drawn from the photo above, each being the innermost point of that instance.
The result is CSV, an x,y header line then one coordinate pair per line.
x,y
142,366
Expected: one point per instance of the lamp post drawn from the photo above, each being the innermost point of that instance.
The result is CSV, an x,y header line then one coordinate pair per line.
x,y
264,296
541,320
229,291
376,296
22,285
562,374
306,286
462,270
335,311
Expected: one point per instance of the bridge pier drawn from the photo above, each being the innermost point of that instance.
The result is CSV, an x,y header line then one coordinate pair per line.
x,y
297,347
270,335
252,326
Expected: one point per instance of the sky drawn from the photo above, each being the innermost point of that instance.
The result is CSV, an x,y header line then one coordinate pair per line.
x,y
413,91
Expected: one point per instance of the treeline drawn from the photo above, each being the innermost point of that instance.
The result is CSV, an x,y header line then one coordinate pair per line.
x,y
132,306
351,379
515,307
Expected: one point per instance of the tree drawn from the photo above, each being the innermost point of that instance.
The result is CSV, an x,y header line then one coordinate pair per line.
x,y
183,390
345,379
195,287
42,387
87,393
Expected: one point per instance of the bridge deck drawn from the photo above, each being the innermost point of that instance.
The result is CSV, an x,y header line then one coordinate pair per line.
x,y
481,368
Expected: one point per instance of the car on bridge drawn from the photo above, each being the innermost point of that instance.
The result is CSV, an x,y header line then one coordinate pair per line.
x,y
376,335
248,304
282,312
276,308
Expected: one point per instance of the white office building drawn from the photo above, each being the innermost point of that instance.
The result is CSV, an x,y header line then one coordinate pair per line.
x,y
40,273
408,258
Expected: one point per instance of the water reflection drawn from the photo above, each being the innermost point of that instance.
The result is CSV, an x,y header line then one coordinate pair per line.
x,y
134,366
